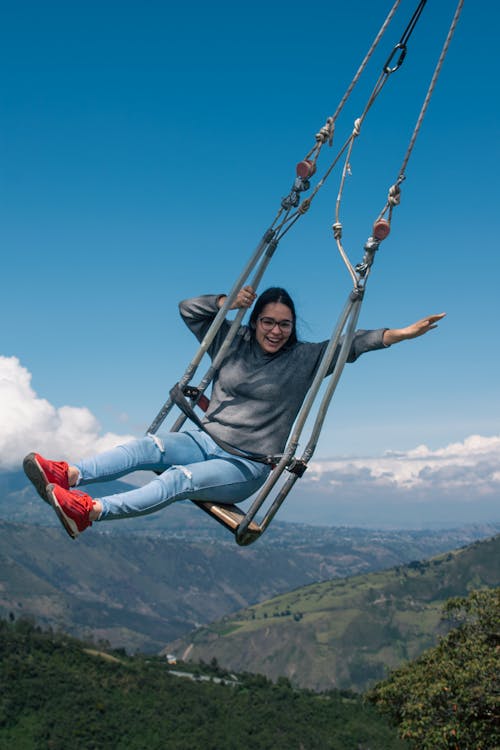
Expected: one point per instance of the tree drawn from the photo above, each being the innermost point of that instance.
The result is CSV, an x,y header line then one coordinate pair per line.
x,y
448,698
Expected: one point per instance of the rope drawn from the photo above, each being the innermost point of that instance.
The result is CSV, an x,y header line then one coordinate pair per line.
x,y
432,85
337,226
394,195
326,132
387,70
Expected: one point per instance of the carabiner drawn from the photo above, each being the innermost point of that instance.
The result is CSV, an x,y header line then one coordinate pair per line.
x,y
399,46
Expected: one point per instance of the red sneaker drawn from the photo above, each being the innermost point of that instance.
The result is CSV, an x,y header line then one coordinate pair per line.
x,y
42,472
72,507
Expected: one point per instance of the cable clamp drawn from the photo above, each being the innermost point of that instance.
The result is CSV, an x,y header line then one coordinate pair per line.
x,y
196,396
297,466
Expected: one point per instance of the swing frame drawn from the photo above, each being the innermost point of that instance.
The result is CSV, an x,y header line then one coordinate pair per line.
x,y
244,525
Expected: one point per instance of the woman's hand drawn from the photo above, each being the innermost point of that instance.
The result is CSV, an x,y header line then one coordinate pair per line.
x,y
413,331
244,299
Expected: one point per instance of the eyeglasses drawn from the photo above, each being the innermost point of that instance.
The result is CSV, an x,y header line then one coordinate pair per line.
x,y
268,324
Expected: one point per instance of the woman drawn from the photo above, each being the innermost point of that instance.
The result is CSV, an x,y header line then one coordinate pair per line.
x,y
256,395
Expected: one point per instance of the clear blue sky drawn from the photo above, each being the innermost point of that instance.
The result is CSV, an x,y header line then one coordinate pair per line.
x,y
144,149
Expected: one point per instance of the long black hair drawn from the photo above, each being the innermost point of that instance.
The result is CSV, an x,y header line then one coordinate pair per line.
x,y
274,294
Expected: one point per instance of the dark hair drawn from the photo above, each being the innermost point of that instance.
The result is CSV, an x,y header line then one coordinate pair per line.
x,y
274,294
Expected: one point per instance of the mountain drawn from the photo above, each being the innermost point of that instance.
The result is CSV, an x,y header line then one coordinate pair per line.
x,y
141,583
142,591
346,633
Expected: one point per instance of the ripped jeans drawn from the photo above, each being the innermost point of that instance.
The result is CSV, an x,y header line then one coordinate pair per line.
x,y
192,465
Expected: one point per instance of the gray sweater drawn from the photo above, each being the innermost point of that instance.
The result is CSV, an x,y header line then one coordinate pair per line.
x,y
256,396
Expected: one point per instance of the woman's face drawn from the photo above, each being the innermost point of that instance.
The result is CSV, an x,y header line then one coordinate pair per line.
x,y
274,327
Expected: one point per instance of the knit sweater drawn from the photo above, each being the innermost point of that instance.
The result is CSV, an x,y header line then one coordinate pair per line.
x,y
256,396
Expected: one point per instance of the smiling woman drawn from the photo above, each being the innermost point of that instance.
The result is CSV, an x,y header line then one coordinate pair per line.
x,y
257,392
273,320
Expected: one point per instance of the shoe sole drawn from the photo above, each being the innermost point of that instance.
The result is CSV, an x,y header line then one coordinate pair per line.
x,y
69,525
36,475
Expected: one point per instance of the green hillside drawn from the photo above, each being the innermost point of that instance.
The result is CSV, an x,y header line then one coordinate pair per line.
x,y
56,693
346,633
141,591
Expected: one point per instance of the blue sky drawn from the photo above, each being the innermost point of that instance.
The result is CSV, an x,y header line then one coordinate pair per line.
x,y
145,148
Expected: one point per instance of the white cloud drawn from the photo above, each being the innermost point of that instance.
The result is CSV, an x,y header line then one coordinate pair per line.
x,y
28,422
472,465
421,488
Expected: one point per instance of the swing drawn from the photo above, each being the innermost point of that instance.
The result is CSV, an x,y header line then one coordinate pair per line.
x,y
243,525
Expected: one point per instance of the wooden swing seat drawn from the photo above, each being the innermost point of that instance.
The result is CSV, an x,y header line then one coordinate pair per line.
x,y
230,516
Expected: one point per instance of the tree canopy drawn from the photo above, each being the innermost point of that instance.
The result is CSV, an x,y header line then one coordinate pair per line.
x,y
448,698
59,693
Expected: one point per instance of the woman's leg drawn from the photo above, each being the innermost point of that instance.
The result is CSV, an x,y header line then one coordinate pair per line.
x,y
219,477
148,453
207,474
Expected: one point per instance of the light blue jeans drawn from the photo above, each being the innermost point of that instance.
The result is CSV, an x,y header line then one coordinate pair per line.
x,y
192,465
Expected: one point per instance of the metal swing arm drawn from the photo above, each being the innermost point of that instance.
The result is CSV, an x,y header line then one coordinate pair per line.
x,y
245,534
345,329
263,254
243,525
